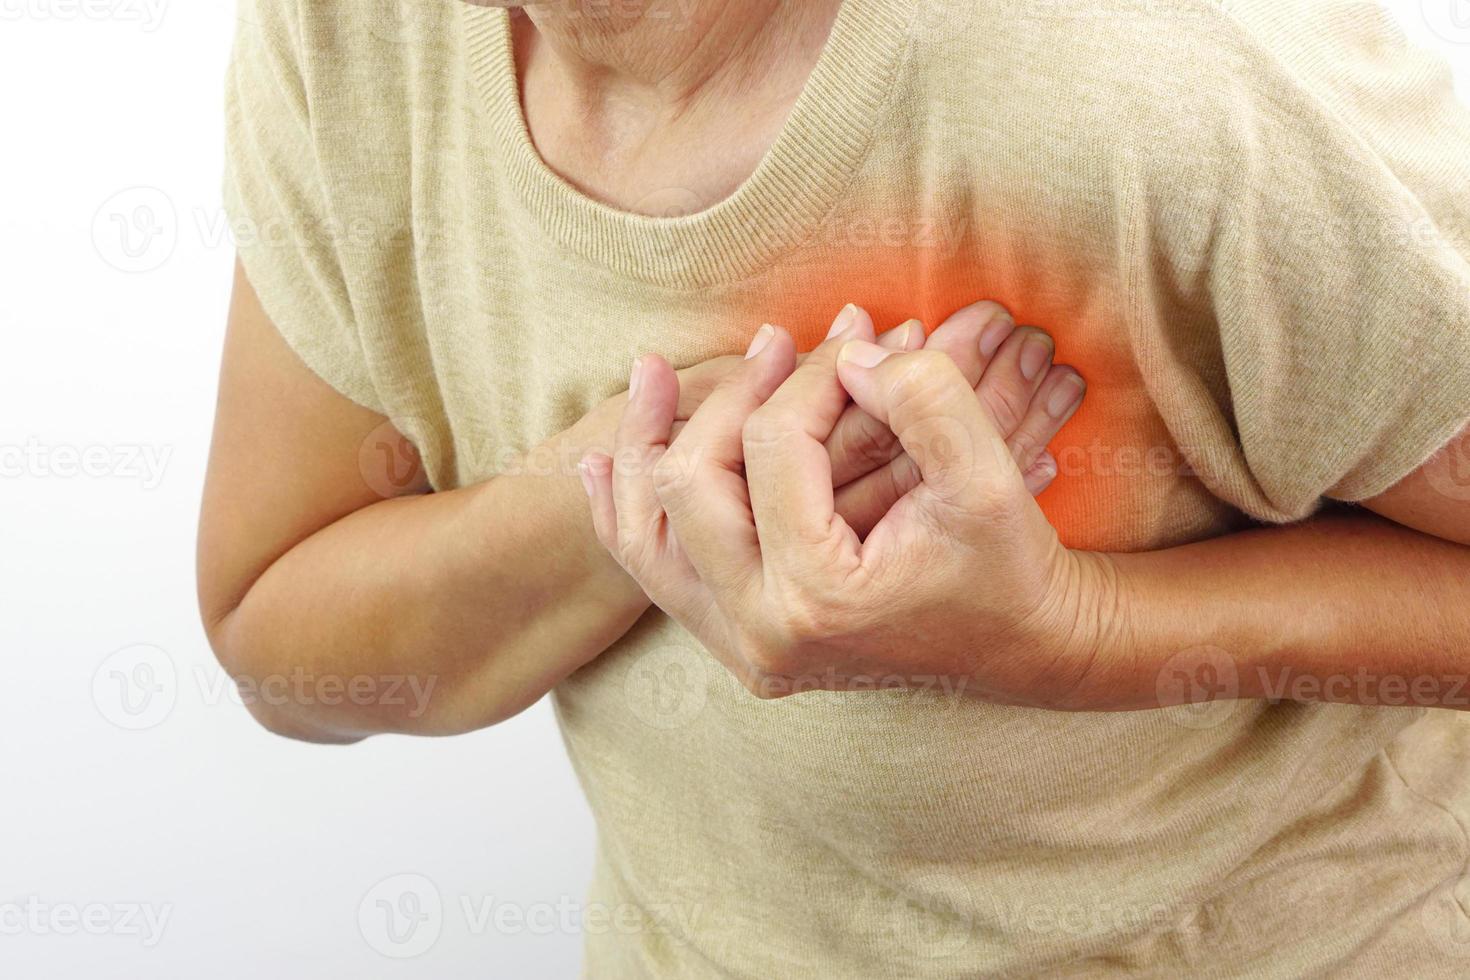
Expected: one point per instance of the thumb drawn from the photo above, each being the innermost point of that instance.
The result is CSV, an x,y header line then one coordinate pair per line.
x,y
924,398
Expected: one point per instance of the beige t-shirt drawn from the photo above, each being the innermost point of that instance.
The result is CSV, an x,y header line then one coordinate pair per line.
x,y
1246,222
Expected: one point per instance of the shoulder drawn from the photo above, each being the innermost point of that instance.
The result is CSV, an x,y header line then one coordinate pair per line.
x,y
349,59
1152,79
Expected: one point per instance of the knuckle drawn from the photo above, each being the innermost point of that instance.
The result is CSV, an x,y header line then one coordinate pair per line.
x,y
919,384
674,475
865,440
1025,447
802,620
766,426
626,543
903,476
1006,405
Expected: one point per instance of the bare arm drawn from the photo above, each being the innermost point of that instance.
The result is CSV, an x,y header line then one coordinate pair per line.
x,y
346,613
452,611
1348,607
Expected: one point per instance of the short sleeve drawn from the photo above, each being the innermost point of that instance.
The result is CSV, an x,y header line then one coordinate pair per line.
x,y
278,202
1302,276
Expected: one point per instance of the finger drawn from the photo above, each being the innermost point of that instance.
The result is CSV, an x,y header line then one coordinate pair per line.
x,y
971,336
595,469
1055,402
863,502
1013,376
787,467
859,443
642,438
908,335
1041,474
700,480
924,398
697,381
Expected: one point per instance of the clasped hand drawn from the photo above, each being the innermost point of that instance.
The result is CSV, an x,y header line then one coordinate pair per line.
x,y
734,529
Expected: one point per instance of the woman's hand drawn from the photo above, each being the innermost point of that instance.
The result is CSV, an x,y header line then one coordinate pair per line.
x,y
1009,368
733,530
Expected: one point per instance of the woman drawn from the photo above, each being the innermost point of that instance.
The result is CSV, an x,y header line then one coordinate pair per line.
x,y
1131,730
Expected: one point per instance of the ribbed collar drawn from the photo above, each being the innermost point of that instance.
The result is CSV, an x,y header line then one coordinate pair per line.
x,y
793,189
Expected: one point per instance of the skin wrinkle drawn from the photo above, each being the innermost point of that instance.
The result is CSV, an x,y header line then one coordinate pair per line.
x,y
623,105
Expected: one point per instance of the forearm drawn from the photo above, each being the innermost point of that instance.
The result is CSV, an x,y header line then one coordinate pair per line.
x,y
1344,608
448,612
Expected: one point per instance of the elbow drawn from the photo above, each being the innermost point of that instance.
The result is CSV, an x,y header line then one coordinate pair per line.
x,y
255,677
297,729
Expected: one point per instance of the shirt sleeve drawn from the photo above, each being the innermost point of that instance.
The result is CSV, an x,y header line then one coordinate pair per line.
x,y
278,204
1302,277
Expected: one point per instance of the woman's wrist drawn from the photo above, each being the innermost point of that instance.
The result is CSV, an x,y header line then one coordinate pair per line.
x,y
1090,634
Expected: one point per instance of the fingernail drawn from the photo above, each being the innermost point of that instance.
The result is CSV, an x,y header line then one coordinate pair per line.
x,y
585,472
843,322
1067,394
994,335
906,333
1034,357
633,378
762,338
862,353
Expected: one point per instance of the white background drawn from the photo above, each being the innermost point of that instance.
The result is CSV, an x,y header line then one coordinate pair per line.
x,y
265,857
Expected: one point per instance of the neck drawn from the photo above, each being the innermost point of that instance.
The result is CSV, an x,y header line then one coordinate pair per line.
x,y
671,56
